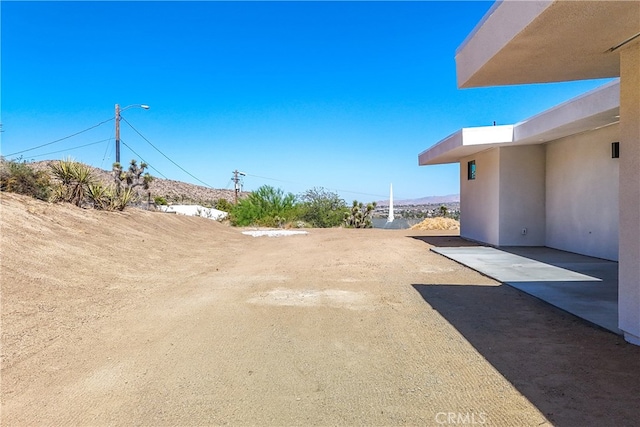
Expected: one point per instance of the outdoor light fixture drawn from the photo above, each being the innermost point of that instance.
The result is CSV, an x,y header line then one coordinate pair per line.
x,y
615,150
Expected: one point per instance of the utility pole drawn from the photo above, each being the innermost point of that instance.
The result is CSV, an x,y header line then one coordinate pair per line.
x,y
118,111
117,133
236,180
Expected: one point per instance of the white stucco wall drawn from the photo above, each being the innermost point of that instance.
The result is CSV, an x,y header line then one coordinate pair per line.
x,y
522,196
629,267
479,198
582,194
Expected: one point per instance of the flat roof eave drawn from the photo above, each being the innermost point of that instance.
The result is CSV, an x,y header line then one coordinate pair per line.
x,y
521,42
465,142
593,110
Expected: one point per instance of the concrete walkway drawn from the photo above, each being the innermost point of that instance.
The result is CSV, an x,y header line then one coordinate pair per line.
x,y
584,286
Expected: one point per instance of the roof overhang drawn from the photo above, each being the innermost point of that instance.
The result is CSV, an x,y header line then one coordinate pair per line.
x,y
590,111
520,42
466,142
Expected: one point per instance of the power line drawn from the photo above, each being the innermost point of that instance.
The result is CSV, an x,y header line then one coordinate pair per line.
x,y
158,150
106,150
272,179
333,189
69,149
61,139
142,160
357,192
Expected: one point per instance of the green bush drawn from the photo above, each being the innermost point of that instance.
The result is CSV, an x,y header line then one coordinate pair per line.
x,y
321,208
18,177
224,205
267,206
160,201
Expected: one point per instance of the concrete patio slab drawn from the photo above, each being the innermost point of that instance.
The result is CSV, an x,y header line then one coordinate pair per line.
x,y
583,286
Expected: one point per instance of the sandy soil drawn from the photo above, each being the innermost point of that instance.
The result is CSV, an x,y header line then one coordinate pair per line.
x,y
142,318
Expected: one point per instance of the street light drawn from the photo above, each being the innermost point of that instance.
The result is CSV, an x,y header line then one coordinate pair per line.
x,y
118,111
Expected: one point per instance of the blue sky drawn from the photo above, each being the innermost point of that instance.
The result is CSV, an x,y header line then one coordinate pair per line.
x,y
341,95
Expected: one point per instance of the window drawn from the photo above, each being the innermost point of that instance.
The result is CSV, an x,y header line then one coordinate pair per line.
x,y
471,170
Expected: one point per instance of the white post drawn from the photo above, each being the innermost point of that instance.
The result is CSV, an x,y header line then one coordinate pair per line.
x,y
391,217
629,199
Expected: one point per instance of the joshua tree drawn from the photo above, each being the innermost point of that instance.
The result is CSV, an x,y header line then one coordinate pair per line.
x,y
359,216
134,177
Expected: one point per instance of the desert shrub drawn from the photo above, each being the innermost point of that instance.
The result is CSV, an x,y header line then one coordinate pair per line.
x,y
159,200
267,206
359,216
18,177
321,208
223,205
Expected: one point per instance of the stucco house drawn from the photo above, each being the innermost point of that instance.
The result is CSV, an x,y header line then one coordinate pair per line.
x,y
569,177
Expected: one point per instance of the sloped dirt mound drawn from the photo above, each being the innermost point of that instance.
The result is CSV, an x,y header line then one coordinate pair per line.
x,y
438,223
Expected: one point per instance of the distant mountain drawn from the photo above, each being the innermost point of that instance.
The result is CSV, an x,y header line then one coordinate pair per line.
x,y
428,200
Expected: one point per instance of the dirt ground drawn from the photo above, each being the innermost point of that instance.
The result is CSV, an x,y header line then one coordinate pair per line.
x,y
142,318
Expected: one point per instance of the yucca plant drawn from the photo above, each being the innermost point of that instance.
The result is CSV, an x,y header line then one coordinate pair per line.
x,y
74,180
82,177
97,194
63,170
123,198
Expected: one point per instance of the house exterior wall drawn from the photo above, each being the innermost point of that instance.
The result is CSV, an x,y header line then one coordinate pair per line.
x,y
479,198
522,196
582,194
629,267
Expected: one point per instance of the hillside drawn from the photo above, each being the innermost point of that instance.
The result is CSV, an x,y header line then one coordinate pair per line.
x,y
172,191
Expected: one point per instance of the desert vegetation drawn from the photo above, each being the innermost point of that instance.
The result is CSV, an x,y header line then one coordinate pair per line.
x,y
318,207
19,177
72,182
359,216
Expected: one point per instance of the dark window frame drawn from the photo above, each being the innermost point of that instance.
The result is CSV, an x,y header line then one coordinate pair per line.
x,y
615,150
471,170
